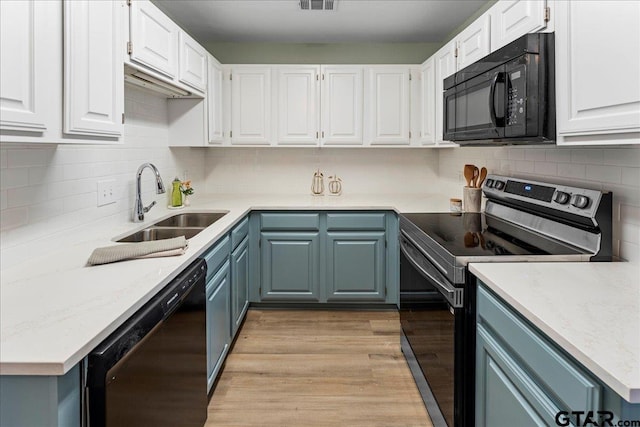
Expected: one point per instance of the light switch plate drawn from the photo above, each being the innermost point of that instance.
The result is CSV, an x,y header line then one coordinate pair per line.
x,y
106,192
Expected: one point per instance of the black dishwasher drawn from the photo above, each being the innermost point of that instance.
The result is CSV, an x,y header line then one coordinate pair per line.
x,y
152,371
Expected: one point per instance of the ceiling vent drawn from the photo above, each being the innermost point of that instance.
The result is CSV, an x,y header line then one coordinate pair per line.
x,y
317,4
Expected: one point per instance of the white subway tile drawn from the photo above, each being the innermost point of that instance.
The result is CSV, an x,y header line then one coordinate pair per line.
x,y
4,157
14,178
19,197
558,155
587,155
80,201
607,174
629,214
631,176
572,170
546,168
516,153
523,166
12,218
3,200
18,158
46,210
629,251
622,156
534,154
629,232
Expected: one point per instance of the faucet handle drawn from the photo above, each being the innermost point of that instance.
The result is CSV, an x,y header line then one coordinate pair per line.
x,y
148,208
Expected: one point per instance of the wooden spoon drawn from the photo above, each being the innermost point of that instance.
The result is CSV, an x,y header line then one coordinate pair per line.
x,y
468,174
476,174
481,178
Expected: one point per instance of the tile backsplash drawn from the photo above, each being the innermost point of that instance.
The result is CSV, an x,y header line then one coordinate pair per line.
x,y
615,169
58,183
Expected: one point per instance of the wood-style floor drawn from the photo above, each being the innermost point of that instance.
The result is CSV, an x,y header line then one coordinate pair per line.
x,y
317,368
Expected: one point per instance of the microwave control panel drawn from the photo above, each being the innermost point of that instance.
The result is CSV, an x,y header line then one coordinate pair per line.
x,y
517,97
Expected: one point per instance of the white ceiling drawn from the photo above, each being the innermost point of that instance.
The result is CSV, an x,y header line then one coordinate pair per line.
x,y
354,21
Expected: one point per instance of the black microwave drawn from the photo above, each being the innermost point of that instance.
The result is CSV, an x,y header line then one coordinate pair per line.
x,y
507,97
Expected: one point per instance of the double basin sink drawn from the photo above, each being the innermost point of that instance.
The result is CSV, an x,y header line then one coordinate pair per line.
x,y
186,224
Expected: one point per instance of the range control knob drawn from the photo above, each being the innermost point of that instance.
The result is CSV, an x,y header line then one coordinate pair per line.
x,y
499,185
579,201
489,183
562,197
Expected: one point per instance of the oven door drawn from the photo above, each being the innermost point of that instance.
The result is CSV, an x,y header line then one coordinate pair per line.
x,y
475,108
432,319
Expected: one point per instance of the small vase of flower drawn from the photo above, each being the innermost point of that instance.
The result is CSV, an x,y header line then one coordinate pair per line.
x,y
187,190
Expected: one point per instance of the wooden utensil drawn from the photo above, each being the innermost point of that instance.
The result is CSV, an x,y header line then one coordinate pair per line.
x,y
468,174
470,240
481,178
476,174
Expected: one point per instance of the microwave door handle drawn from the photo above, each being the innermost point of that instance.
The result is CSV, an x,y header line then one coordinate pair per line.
x,y
498,78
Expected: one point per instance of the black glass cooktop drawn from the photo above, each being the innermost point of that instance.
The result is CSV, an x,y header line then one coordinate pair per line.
x,y
474,234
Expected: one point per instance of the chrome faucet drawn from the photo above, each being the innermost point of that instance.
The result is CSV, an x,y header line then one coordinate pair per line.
x,y
139,210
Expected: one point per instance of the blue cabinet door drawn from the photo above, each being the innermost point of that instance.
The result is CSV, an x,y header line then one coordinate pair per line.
x,y
218,322
289,264
239,284
355,265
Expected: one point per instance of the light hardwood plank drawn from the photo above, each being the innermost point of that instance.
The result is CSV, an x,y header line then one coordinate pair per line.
x,y
317,368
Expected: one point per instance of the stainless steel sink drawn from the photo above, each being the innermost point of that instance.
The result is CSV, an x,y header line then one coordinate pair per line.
x,y
159,233
186,224
191,219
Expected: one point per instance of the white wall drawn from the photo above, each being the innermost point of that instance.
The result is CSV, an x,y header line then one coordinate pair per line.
x,y
59,183
615,169
290,170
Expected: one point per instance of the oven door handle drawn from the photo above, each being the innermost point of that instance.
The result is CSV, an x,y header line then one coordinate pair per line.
x,y
452,294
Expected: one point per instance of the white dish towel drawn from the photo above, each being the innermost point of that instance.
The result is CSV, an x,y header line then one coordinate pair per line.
x,y
125,251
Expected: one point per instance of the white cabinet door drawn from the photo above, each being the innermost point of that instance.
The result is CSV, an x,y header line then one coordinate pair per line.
x,y
428,102
214,102
298,105
251,106
93,71
154,38
389,99
474,42
597,68
511,19
24,38
445,65
193,62
342,102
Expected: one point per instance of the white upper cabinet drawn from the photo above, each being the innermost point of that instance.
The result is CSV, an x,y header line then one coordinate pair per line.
x,y
298,105
25,39
93,71
342,104
193,62
154,38
214,102
445,65
388,104
511,19
474,42
427,108
251,105
597,72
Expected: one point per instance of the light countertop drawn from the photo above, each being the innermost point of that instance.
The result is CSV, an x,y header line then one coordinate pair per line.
x,y
54,309
591,310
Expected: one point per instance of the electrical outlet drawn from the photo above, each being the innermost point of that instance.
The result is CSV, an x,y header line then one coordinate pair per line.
x,y
106,192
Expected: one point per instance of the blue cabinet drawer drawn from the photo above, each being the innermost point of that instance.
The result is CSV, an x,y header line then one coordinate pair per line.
x,y
217,256
239,233
355,221
290,221
553,371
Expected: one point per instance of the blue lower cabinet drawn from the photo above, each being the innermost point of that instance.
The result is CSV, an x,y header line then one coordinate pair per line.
x,y
522,378
290,266
355,266
239,284
218,321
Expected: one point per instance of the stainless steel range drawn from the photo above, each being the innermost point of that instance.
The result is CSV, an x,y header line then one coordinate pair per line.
x,y
523,221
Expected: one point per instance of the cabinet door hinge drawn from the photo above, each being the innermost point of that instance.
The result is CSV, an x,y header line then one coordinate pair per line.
x,y
322,134
230,134
317,77
129,48
322,76
547,14
122,118
410,77
317,135
230,76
